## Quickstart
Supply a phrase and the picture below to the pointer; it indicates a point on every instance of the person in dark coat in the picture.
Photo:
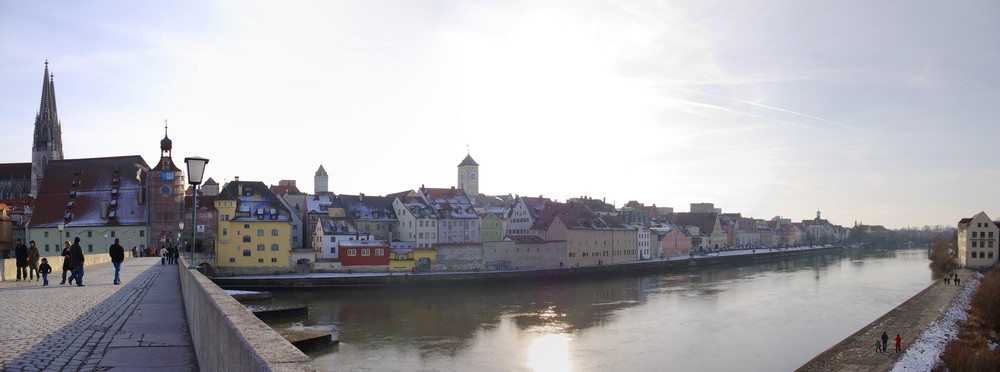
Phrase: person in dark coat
(885, 341)
(65, 266)
(33, 257)
(44, 269)
(21, 256)
(117, 253)
(76, 260)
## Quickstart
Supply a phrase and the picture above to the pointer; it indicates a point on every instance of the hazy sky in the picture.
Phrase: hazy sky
(883, 112)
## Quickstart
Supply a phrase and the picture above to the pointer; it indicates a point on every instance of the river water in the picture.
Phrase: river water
(771, 316)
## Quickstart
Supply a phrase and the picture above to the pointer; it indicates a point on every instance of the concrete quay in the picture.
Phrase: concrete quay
(363, 280)
(138, 325)
(910, 320)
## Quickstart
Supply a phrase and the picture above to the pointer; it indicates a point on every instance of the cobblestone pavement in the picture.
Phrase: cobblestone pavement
(99, 326)
(909, 320)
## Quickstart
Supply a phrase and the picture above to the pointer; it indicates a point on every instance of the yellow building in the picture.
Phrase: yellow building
(254, 229)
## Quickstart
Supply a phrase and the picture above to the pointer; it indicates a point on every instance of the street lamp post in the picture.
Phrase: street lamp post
(180, 233)
(195, 171)
(105, 240)
(59, 239)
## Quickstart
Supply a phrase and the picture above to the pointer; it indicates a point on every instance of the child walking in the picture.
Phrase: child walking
(45, 269)
(878, 345)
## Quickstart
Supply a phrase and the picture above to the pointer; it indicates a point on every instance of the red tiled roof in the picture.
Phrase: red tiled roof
(90, 184)
(15, 171)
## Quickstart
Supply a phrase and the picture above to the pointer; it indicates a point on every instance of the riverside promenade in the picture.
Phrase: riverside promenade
(909, 320)
(138, 325)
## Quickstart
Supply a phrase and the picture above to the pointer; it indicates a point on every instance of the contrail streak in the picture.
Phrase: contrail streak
(780, 110)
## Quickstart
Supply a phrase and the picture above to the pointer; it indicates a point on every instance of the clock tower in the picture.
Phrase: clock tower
(166, 197)
(468, 176)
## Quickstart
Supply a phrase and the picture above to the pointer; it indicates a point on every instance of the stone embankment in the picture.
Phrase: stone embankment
(503, 277)
(909, 320)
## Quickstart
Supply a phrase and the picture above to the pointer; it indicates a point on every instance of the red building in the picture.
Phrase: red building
(364, 253)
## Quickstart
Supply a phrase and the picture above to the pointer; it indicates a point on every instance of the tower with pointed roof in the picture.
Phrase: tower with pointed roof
(468, 176)
(166, 196)
(47, 143)
(321, 182)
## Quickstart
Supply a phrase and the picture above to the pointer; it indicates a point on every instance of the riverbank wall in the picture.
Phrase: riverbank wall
(507, 276)
(227, 336)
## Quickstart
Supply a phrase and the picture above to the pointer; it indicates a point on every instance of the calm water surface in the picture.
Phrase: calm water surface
(762, 317)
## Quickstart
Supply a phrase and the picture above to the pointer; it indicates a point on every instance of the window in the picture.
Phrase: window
(260, 260)
(246, 238)
(225, 232)
(274, 260)
(584, 254)
(246, 226)
(974, 234)
(274, 247)
(572, 254)
(46, 247)
(379, 252)
(246, 253)
(90, 234)
(333, 250)
(142, 233)
(295, 227)
(366, 252)
(260, 247)
(260, 232)
(352, 252)
(274, 232)
(46, 234)
(232, 259)
(332, 239)
(90, 248)
(112, 234)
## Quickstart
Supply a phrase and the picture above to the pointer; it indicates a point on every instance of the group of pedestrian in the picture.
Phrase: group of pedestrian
(881, 343)
(73, 259)
(953, 278)
(169, 255)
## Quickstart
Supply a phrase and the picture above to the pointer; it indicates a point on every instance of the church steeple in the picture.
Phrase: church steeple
(47, 144)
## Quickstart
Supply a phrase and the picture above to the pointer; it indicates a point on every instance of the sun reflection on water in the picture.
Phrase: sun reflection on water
(549, 353)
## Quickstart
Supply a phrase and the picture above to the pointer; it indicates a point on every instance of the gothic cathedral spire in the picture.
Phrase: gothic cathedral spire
(47, 144)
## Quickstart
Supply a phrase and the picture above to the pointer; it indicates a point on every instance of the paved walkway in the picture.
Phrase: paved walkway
(909, 320)
(139, 325)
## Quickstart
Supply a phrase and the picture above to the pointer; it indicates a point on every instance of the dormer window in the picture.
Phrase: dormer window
(166, 164)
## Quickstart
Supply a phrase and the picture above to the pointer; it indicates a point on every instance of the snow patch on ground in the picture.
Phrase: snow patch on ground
(235, 292)
(925, 354)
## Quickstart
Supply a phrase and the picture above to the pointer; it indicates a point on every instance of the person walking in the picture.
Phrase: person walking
(66, 266)
(117, 253)
(878, 345)
(897, 342)
(885, 341)
(44, 269)
(76, 260)
(33, 257)
(21, 258)
(947, 279)
(958, 281)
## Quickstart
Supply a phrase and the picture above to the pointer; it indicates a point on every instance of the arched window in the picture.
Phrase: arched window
(275, 247)
(246, 238)
(246, 253)
(260, 232)
(260, 247)
(274, 232)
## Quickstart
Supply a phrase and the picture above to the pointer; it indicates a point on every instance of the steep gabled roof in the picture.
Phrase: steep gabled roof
(371, 208)
(449, 203)
(254, 201)
(85, 192)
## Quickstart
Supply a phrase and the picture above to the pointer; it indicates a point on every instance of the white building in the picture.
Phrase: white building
(978, 241)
